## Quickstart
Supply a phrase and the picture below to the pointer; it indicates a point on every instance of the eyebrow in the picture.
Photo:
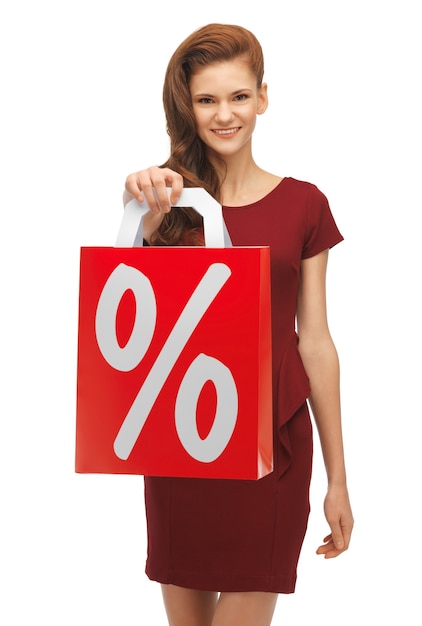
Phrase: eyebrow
(234, 93)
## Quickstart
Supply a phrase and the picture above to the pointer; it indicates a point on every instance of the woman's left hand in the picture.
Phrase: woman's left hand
(339, 516)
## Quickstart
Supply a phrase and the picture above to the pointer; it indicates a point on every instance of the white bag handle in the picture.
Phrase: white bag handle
(215, 231)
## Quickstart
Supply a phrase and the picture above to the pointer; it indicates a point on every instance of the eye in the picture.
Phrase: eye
(205, 100)
(241, 96)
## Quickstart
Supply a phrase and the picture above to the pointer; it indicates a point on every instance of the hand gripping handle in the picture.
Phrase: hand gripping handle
(215, 231)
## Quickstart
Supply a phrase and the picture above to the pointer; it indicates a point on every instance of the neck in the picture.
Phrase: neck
(246, 183)
(243, 182)
(235, 171)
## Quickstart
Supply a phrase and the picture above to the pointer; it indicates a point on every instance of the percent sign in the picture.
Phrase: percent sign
(202, 369)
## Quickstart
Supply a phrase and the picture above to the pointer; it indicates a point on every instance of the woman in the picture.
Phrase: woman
(224, 549)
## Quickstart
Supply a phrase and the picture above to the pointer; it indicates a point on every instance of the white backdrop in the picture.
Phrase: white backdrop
(80, 109)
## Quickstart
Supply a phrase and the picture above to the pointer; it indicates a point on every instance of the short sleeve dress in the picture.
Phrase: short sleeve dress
(239, 535)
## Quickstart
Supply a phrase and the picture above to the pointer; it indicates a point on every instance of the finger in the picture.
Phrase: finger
(141, 186)
(176, 188)
(151, 197)
(337, 536)
(347, 533)
(328, 550)
(326, 546)
(133, 188)
(152, 186)
(163, 179)
(160, 198)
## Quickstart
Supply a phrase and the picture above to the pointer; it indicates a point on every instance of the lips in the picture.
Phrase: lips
(224, 132)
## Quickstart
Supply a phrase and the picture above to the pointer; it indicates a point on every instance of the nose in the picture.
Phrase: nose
(224, 113)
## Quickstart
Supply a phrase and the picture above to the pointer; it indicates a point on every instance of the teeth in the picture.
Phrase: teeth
(230, 131)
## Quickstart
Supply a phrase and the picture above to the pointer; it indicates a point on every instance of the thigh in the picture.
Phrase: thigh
(252, 608)
(188, 607)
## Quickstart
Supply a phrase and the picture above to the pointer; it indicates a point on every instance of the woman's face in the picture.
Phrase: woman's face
(225, 102)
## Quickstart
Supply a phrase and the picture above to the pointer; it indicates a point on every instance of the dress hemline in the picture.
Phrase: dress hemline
(215, 583)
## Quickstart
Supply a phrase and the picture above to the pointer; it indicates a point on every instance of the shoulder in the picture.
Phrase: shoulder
(304, 201)
(320, 230)
(303, 189)
(309, 201)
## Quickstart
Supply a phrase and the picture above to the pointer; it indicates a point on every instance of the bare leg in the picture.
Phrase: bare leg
(253, 608)
(189, 607)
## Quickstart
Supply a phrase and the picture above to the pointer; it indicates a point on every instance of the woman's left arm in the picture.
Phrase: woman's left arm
(321, 363)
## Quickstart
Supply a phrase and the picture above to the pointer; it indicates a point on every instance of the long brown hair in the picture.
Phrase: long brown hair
(188, 153)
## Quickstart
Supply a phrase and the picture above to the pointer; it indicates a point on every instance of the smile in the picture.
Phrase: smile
(226, 131)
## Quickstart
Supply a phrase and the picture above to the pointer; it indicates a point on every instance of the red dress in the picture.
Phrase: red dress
(235, 535)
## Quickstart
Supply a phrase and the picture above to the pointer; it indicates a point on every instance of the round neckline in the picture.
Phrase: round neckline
(251, 204)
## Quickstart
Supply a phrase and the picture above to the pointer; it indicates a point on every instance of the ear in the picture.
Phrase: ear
(262, 99)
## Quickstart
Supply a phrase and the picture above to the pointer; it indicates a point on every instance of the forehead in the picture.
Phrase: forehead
(234, 74)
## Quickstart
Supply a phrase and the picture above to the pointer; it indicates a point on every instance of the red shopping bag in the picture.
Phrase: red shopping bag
(174, 355)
